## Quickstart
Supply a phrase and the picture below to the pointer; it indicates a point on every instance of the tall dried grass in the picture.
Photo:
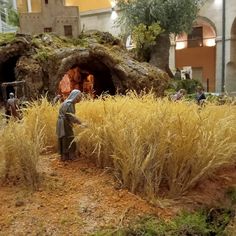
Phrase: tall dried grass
(46, 116)
(20, 149)
(152, 143)
(149, 143)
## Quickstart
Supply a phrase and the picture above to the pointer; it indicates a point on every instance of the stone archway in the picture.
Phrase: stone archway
(103, 81)
(200, 42)
(204, 20)
(103, 77)
(101, 66)
(114, 70)
(230, 82)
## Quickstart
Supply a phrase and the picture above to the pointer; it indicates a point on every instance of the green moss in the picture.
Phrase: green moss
(202, 223)
(42, 56)
(47, 44)
(218, 219)
(6, 38)
(231, 193)
(82, 42)
(185, 224)
(191, 224)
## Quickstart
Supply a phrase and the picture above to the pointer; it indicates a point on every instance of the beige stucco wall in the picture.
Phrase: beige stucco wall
(103, 20)
(88, 5)
(54, 15)
(22, 5)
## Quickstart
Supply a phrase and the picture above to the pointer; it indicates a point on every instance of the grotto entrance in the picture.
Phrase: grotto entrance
(7, 74)
(101, 76)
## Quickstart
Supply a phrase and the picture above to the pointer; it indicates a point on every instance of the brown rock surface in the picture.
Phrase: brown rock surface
(42, 60)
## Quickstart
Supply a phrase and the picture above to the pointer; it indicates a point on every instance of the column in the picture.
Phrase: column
(29, 6)
(14, 4)
(218, 85)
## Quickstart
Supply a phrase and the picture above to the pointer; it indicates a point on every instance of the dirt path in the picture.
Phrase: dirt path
(78, 199)
(74, 199)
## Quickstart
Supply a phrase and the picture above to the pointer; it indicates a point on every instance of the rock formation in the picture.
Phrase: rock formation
(42, 60)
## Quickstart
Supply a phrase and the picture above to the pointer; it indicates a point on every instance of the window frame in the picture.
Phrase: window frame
(195, 38)
(68, 28)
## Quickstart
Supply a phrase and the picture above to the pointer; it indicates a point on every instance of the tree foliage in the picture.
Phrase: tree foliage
(144, 37)
(13, 17)
(174, 16)
(12, 14)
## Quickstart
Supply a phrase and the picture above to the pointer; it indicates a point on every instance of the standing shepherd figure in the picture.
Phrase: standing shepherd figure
(66, 119)
(200, 96)
(12, 107)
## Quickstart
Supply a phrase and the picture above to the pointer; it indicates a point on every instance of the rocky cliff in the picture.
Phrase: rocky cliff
(42, 60)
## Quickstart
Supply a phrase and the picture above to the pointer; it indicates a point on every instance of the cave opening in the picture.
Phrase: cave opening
(103, 82)
(7, 74)
(102, 77)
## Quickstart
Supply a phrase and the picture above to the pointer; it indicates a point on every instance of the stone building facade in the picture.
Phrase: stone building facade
(52, 16)
(94, 14)
(208, 54)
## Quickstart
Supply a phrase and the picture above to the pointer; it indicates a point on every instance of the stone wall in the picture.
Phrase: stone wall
(54, 17)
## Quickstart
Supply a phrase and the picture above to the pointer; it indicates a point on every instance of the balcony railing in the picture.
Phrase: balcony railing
(204, 42)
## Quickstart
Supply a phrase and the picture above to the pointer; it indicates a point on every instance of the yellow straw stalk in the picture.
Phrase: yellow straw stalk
(149, 143)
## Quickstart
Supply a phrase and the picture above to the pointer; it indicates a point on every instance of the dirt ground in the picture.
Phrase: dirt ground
(76, 198)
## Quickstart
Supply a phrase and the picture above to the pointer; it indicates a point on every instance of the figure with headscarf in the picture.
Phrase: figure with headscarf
(64, 129)
(12, 107)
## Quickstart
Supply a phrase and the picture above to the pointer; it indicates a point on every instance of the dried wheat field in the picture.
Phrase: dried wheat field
(148, 142)
(152, 146)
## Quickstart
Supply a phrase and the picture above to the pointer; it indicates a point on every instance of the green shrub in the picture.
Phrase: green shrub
(189, 85)
(202, 223)
(218, 219)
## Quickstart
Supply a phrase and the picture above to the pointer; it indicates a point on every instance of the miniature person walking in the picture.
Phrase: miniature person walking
(64, 129)
(200, 96)
(12, 107)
